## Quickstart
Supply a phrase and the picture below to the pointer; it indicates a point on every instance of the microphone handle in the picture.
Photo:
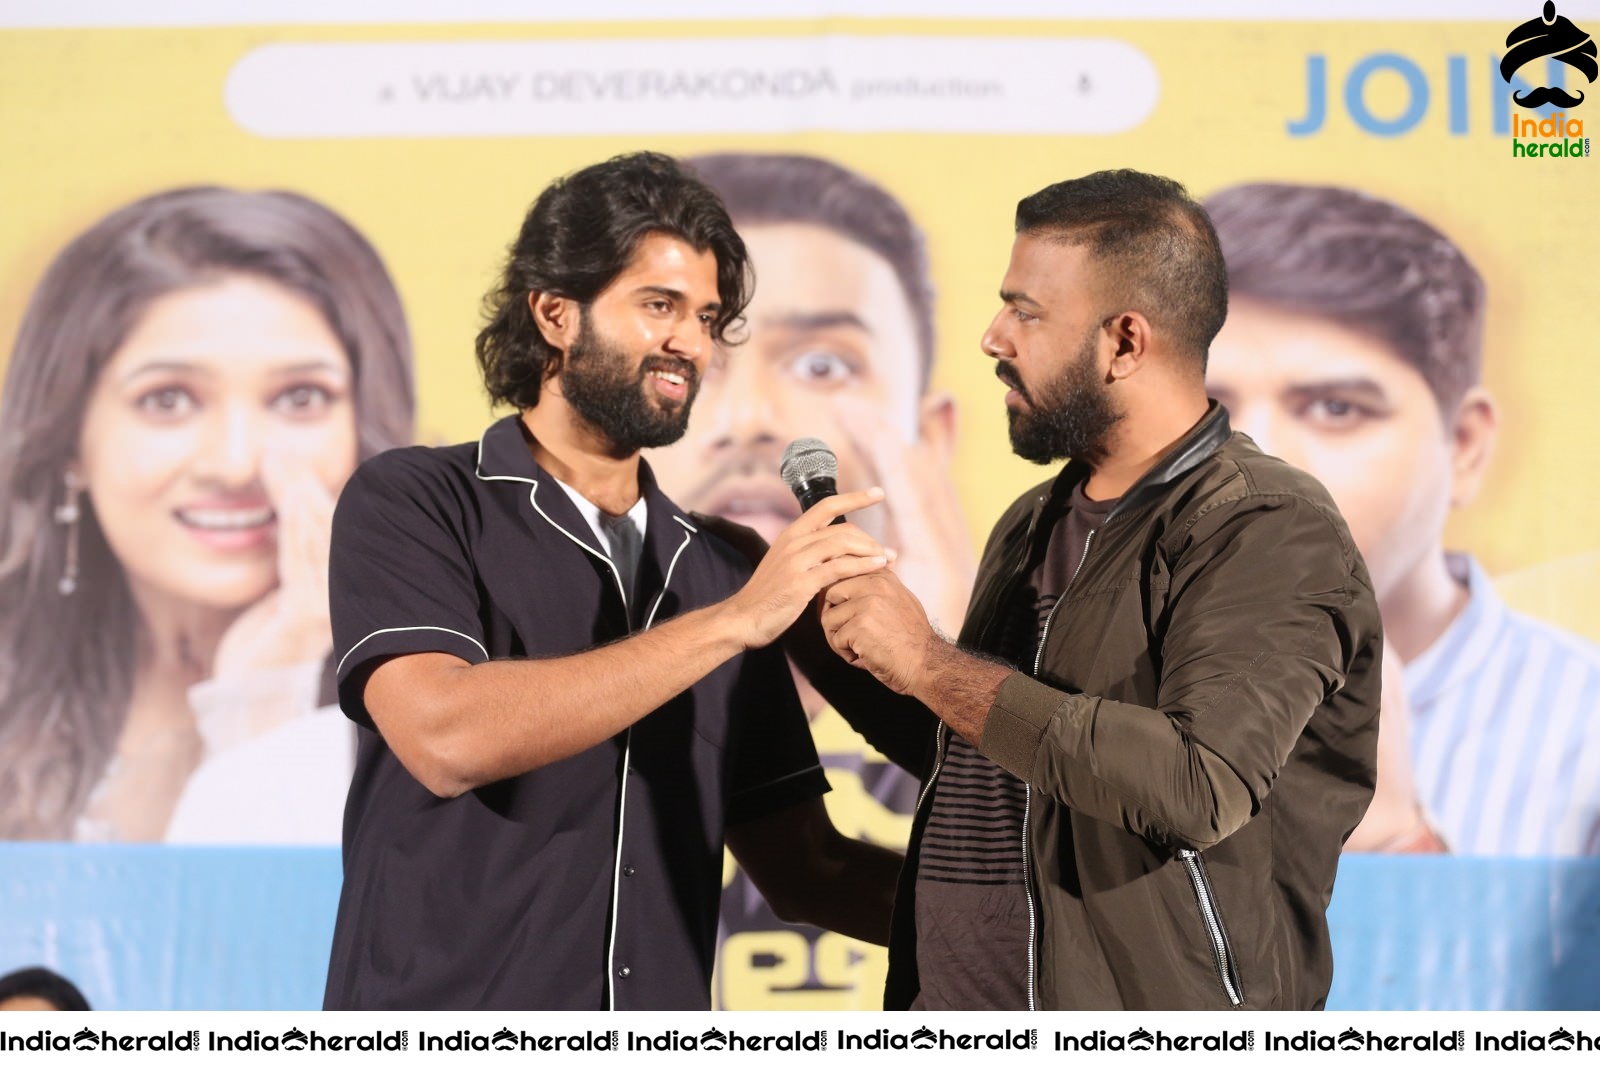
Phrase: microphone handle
(814, 492)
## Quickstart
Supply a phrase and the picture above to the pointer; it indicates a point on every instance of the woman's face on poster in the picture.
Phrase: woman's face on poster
(219, 397)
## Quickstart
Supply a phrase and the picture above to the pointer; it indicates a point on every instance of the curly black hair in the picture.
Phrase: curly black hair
(576, 239)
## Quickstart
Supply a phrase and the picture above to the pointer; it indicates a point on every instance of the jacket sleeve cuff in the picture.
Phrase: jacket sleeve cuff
(1021, 712)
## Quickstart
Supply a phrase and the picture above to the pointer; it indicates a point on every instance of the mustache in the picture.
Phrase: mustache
(1008, 374)
(1547, 95)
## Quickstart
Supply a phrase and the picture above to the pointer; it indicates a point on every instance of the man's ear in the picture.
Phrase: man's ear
(559, 319)
(936, 426)
(1473, 429)
(1130, 343)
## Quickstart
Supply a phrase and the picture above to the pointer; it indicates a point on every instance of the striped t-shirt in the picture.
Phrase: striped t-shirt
(1505, 730)
(972, 917)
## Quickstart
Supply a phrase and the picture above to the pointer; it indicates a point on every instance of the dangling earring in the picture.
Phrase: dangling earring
(67, 514)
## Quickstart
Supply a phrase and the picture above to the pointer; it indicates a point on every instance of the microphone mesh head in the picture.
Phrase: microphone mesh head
(807, 459)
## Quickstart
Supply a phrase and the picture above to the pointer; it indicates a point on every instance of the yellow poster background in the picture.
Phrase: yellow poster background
(91, 119)
(95, 118)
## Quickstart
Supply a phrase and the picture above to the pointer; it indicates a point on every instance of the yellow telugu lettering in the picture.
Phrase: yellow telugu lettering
(767, 970)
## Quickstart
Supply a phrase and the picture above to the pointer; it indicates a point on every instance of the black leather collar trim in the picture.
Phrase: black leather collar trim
(1208, 435)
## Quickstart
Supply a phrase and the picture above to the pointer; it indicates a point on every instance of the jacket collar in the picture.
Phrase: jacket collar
(1207, 435)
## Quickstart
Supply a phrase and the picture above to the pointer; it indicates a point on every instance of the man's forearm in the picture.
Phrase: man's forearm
(962, 689)
(859, 899)
(809, 872)
(457, 726)
(1122, 763)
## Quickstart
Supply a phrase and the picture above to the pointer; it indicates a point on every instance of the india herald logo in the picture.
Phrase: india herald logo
(1555, 36)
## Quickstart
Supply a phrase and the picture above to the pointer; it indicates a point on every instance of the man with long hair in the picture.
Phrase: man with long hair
(567, 686)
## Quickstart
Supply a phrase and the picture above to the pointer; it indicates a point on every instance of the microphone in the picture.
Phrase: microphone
(811, 471)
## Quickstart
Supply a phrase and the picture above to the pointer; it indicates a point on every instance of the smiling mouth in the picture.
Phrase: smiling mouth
(227, 518)
(671, 377)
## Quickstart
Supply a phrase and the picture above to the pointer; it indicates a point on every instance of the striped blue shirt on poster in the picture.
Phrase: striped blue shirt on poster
(1505, 730)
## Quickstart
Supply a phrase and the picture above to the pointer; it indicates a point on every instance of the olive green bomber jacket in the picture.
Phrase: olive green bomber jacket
(1198, 733)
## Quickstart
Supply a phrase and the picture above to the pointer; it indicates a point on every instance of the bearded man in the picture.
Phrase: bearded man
(1159, 723)
(566, 687)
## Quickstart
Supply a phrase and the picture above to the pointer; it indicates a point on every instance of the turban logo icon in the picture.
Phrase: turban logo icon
(1554, 36)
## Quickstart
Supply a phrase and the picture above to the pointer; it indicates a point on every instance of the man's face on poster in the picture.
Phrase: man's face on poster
(1346, 408)
(831, 353)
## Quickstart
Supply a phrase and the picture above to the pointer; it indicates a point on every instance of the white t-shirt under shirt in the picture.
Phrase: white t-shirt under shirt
(622, 536)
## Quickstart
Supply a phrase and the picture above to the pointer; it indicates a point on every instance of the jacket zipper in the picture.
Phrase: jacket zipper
(1027, 805)
(1220, 953)
(1038, 657)
(938, 761)
(1027, 888)
(938, 765)
(933, 775)
(1218, 937)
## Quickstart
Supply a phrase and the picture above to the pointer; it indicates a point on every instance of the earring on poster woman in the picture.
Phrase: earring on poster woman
(67, 514)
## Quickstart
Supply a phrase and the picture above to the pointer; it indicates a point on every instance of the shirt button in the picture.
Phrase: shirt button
(623, 972)
(627, 872)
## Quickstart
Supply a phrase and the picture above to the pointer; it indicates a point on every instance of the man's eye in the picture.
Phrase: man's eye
(1333, 412)
(822, 368)
(1022, 316)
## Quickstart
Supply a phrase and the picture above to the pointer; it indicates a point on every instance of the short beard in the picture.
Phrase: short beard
(1069, 418)
(602, 386)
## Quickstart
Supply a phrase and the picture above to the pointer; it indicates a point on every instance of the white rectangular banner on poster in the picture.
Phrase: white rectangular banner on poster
(706, 85)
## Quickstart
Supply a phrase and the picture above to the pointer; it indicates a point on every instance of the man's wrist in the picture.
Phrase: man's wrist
(939, 657)
(958, 687)
(724, 628)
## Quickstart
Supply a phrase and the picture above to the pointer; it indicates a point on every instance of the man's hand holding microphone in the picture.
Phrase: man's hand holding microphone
(870, 618)
(872, 621)
(816, 551)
